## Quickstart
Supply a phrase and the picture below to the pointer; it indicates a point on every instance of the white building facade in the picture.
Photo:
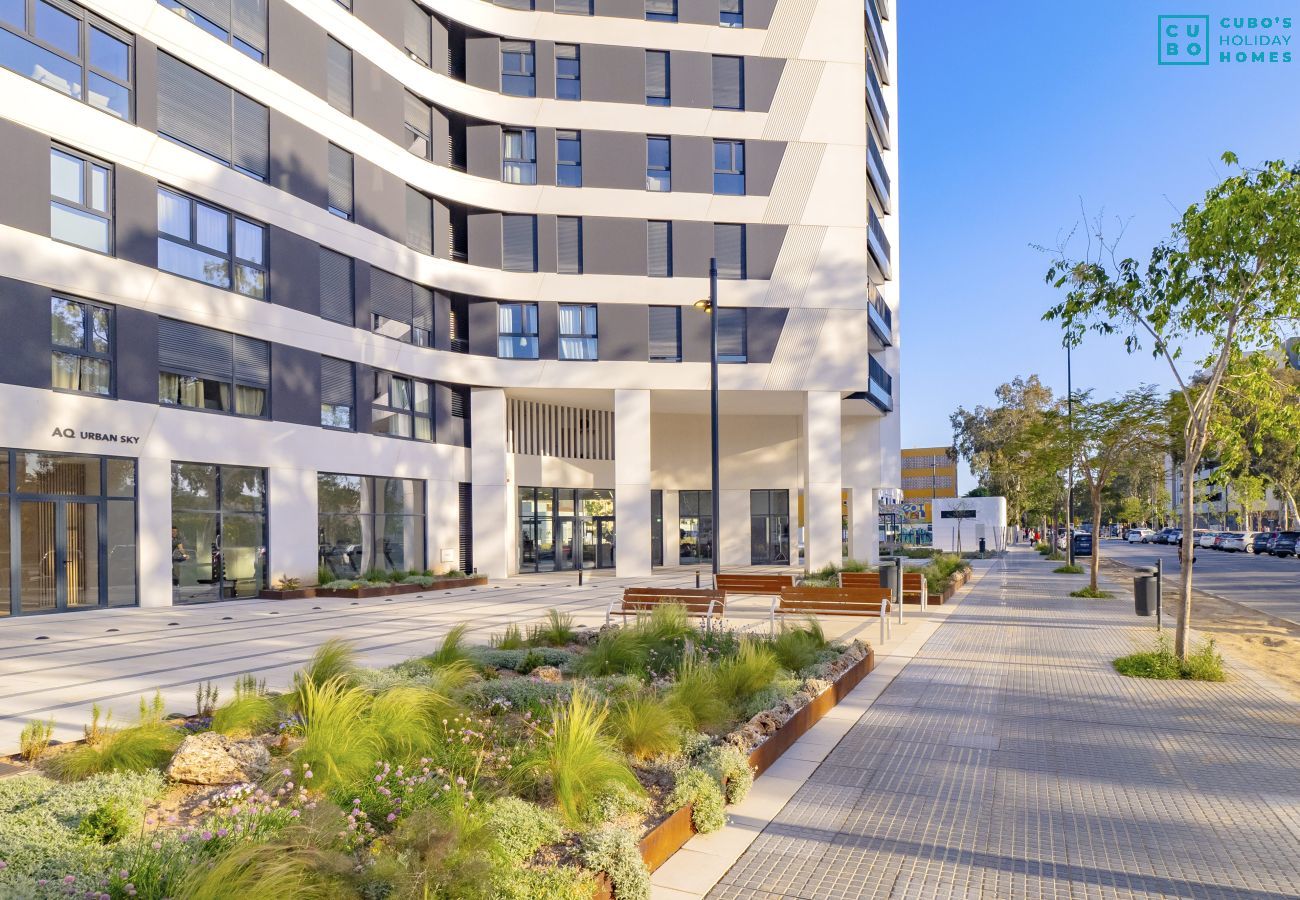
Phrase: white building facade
(316, 287)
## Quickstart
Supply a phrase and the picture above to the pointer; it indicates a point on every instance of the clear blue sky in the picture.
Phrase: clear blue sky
(1011, 113)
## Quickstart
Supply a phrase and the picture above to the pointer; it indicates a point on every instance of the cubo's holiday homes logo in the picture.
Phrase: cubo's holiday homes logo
(1187, 40)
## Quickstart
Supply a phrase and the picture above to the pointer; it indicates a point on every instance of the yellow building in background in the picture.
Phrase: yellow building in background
(928, 473)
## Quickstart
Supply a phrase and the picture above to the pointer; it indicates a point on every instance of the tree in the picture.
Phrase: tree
(1225, 278)
(1132, 510)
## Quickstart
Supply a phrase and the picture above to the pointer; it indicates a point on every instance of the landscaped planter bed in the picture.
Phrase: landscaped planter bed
(305, 593)
(365, 590)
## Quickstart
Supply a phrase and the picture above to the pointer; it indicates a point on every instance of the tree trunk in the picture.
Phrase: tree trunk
(1187, 554)
(1096, 537)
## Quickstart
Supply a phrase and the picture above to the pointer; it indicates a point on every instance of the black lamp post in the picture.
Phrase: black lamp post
(1069, 487)
(711, 307)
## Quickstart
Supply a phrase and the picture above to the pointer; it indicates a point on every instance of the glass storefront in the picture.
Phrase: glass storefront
(565, 528)
(218, 535)
(67, 532)
(695, 526)
(370, 523)
(769, 528)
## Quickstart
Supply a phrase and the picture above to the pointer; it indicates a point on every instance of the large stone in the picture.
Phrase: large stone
(212, 758)
(548, 673)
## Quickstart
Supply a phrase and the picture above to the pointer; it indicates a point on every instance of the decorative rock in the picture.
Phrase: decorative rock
(212, 758)
(548, 674)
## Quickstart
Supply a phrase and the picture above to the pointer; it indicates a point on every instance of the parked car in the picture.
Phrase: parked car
(1236, 541)
(1082, 543)
(1285, 545)
(1175, 537)
(1261, 542)
(1139, 535)
(1207, 539)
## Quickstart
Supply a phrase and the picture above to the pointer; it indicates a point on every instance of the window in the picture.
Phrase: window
(368, 523)
(658, 163)
(659, 249)
(340, 182)
(728, 82)
(568, 71)
(519, 243)
(729, 250)
(458, 325)
(239, 23)
(733, 345)
(337, 290)
(210, 244)
(731, 13)
(568, 158)
(661, 10)
(402, 407)
(419, 126)
(82, 337)
(517, 70)
(578, 331)
(205, 115)
(728, 167)
(568, 245)
(519, 156)
(401, 309)
(338, 76)
(417, 32)
(419, 220)
(517, 330)
(337, 393)
(202, 368)
(666, 334)
(658, 78)
(66, 48)
(573, 7)
(81, 201)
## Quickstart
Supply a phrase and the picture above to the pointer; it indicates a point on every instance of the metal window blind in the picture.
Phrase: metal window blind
(519, 243)
(731, 332)
(460, 402)
(422, 307)
(659, 249)
(515, 4)
(390, 295)
(568, 234)
(340, 180)
(418, 114)
(419, 220)
(252, 361)
(727, 77)
(729, 249)
(337, 384)
(215, 11)
(661, 7)
(665, 332)
(252, 137)
(573, 7)
(249, 22)
(730, 6)
(338, 76)
(465, 510)
(417, 32)
(193, 108)
(189, 349)
(336, 288)
(656, 73)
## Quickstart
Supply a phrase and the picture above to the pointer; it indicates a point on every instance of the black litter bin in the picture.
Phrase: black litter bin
(1144, 594)
(981, 546)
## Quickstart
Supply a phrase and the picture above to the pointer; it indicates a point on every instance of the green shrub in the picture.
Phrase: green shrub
(523, 661)
(521, 828)
(1068, 570)
(335, 659)
(556, 631)
(776, 693)
(796, 648)
(548, 883)
(453, 648)
(136, 748)
(376, 576)
(281, 869)
(694, 694)
(340, 744)
(421, 580)
(1202, 664)
(35, 739)
(343, 584)
(403, 720)
(324, 576)
(618, 651)
(703, 792)
(940, 569)
(612, 804)
(741, 676)
(1043, 547)
(528, 694)
(444, 851)
(646, 726)
(665, 623)
(107, 823)
(1088, 593)
(244, 715)
(614, 851)
(727, 764)
(511, 639)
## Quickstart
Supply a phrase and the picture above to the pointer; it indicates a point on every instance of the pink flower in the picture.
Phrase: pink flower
(157, 845)
(221, 832)
(207, 835)
(392, 817)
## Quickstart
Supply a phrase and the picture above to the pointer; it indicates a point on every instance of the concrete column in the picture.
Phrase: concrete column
(492, 541)
(732, 539)
(672, 534)
(292, 524)
(444, 525)
(154, 512)
(861, 468)
(632, 483)
(821, 469)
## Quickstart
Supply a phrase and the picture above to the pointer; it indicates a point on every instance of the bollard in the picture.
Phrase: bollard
(697, 579)
(579, 578)
(1160, 591)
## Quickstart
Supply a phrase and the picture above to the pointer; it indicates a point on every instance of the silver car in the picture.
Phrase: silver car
(1238, 541)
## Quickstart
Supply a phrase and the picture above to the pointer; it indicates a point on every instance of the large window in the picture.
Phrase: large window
(81, 201)
(337, 393)
(218, 536)
(728, 82)
(658, 163)
(769, 528)
(565, 528)
(419, 220)
(729, 250)
(202, 368)
(517, 330)
(659, 249)
(370, 523)
(728, 167)
(568, 158)
(205, 115)
(578, 337)
(64, 47)
(239, 23)
(661, 10)
(665, 334)
(568, 71)
(568, 245)
(418, 116)
(210, 244)
(402, 407)
(519, 156)
(401, 309)
(733, 340)
(694, 526)
(519, 243)
(340, 190)
(81, 335)
(338, 76)
(731, 13)
(657, 78)
(337, 288)
(518, 73)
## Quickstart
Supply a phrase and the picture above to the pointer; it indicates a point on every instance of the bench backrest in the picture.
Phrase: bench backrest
(913, 581)
(694, 599)
(754, 584)
(859, 579)
(859, 601)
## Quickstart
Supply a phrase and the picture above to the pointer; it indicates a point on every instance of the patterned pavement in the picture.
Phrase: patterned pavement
(1009, 760)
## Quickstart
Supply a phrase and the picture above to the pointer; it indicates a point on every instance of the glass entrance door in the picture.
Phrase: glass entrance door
(605, 545)
(769, 528)
(58, 549)
(565, 557)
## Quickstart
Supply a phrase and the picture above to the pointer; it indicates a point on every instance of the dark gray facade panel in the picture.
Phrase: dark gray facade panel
(25, 345)
(624, 332)
(758, 13)
(380, 200)
(697, 12)
(483, 327)
(136, 355)
(613, 246)
(441, 316)
(439, 46)
(620, 9)
(691, 79)
(295, 385)
(692, 248)
(299, 159)
(695, 335)
(692, 163)
(762, 75)
(295, 271)
(146, 85)
(441, 230)
(547, 252)
(483, 150)
(485, 239)
(446, 429)
(25, 178)
(365, 382)
(546, 154)
(384, 16)
(298, 48)
(763, 326)
(136, 218)
(548, 330)
(439, 135)
(762, 246)
(361, 294)
(544, 68)
(613, 159)
(378, 101)
(614, 74)
(483, 61)
(762, 160)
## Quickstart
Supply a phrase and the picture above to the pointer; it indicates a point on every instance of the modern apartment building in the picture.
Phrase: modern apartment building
(292, 285)
(929, 473)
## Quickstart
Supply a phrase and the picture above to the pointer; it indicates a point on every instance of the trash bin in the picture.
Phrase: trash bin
(981, 547)
(891, 574)
(1144, 594)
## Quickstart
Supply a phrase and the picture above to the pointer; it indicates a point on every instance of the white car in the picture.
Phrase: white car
(1208, 539)
(1238, 542)
(1139, 535)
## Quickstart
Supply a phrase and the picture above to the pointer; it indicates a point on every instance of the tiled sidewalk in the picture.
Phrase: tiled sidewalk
(1008, 760)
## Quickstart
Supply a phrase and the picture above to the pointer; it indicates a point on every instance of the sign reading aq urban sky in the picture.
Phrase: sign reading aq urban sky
(1196, 40)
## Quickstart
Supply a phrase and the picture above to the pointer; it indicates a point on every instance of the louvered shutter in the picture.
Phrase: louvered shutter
(727, 77)
(519, 243)
(336, 290)
(661, 7)
(659, 249)
(422, 308)
(390, 296)
(729, 249)
(656, 73)
(188, 349)
(419, 220)
(252, 137)
(465, 510)
(338, 76)
(460, 402)
(568, 232)
(215, 11)
(337, 385)
(515, 4)
(249, 22)
(417, 32)
(340, 180)
(731, 333)
(418, 114)
(573, 7)
(193, 108)
(665, 332)
(252, 361)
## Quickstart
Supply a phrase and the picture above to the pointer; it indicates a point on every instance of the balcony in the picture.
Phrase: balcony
(876, 37)
(878, 245)
(876, 104)
(877, 173)
(883, 7)
(881, 320)
(880, 386)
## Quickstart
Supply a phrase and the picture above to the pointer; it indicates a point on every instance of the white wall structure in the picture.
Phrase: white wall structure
(960, 522)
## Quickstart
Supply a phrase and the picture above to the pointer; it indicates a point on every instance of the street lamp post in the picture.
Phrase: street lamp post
(711, 306)
(1069, 487)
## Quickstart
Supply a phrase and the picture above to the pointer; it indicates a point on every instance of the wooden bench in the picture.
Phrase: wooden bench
(915, 589)
(842, 601)
(753, 584)
(708, 605)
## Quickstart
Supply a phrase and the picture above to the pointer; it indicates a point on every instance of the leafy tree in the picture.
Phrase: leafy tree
(1132, 509)
(1226, 279)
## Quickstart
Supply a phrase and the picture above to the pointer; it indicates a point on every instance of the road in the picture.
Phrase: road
(1265, 583)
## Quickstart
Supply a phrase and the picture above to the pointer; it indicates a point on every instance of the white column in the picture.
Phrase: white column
(732, 539)
(821, 466)
(632, 483)
(861, 468)
(292, 523)
(492, 538)
(154, 512)
(672, 532)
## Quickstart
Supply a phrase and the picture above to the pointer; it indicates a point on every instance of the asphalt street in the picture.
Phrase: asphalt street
(1266, 583)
